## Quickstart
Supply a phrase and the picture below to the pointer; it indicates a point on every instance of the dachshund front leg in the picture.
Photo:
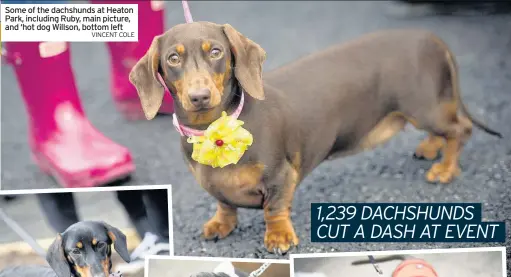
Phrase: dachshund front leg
(222, 223)
(280, 235)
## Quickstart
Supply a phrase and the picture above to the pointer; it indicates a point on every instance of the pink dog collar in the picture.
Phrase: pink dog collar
(186, 131)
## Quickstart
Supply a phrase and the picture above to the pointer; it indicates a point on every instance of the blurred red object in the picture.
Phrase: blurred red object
(414, 268)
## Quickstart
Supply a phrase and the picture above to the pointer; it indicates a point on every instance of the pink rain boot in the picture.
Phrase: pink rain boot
(63, 142)
(124, 55)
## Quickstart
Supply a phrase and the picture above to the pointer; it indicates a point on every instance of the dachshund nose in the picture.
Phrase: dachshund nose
(200, 98)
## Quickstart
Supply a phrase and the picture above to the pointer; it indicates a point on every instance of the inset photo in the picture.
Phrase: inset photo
(160, 266)
(467, 262)
(100, 232)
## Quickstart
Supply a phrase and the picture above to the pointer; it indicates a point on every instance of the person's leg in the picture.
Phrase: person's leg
(59, 209)
(124, 55)
(63, 142)
(157, 205)
(157, 241)
(136, 210)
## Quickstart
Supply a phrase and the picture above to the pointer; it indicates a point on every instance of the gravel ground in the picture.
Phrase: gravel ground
(288, 30)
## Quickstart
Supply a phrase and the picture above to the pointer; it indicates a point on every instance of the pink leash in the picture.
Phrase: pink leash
(183, 130)
(186, 9)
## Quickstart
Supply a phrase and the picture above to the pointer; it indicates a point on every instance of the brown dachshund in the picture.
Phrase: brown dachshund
(337, 102)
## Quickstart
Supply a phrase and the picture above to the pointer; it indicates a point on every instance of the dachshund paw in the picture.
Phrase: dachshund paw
(429, 154)
(442, 173)
(428, 150)
(280, 240)
(215, 229)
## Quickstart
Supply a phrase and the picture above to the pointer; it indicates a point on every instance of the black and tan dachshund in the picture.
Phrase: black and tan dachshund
(83, 250)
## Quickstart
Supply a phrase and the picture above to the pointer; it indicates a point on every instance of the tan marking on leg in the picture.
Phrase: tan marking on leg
(430, 147)
(460, 131)
(388, 127)
(447, 169)
(450, 110)
(296, 163)
(222, 223)
(280, 235)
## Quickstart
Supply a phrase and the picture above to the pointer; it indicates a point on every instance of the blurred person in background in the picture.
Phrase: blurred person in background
(63, 142)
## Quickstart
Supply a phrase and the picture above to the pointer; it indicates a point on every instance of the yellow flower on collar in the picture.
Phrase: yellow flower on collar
(224, 142)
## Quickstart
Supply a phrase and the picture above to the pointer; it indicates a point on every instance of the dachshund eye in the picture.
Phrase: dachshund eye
(101, 245)
(174, 59)
(76, 251)
(215, 53)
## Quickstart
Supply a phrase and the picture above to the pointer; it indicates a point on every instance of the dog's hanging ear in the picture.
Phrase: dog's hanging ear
(119, 241)
(57, 259)
(249, 58)
(144, 76)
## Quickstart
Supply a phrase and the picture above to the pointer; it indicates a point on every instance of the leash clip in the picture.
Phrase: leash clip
(375, 265)
(260, 270)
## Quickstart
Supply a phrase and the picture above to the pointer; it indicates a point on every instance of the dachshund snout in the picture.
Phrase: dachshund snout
(200, 98)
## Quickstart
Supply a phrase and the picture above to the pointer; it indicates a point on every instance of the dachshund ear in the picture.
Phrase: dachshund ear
(249, 58)
(144, 76)
(57, 259)
(119, 241)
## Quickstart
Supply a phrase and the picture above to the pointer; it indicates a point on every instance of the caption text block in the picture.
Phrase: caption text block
(69, 22)
(403, 222)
